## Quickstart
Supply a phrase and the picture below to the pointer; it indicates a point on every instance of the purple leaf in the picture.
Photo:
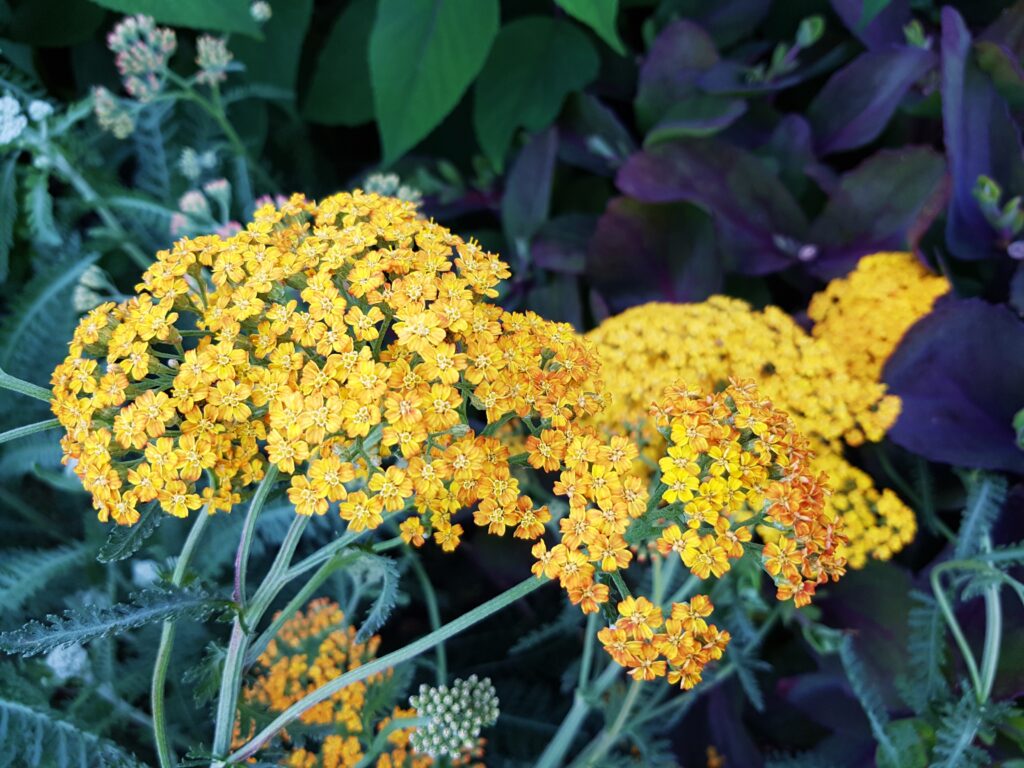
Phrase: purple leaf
(678, 57)
(960, 374)
(527, 198)
(759, 221)
(592, 136)
(884, 30)
(859, 100)
(561, 244)
(981, 139)
(730, 77)
(876, 206)
(643, 253)
(696, 116)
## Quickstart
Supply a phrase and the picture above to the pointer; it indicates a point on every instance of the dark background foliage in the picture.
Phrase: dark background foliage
(617, 153)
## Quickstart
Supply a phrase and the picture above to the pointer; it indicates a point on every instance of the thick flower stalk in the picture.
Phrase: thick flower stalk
(864, 315)
(348, 344)
(647, 348)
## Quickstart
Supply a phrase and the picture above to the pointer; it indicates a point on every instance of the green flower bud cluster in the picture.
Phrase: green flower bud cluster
(456, 715)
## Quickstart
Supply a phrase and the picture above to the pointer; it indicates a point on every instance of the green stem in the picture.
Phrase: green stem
(259, 499)
(325, 692)
(951, 621)
(28, 429)
(688, 588)
(231, 677)
(257, 647)
(23, 387)
(163, 653)
(609, 736)
(993, 634)
(93, 199)
(430, 598)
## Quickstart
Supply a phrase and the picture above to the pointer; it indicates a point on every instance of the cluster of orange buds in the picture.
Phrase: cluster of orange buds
(651, 646)
(347, 343)
(733, 463)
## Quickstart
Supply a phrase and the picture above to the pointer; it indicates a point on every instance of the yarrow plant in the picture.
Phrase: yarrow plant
(646, 348)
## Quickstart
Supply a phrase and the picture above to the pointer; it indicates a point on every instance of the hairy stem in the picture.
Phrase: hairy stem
(23, 387)
(29, 429)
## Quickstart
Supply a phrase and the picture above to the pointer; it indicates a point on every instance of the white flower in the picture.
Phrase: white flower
(144, 572)
(260, 11)
(39, 110)
(72, 661)
(12, 122)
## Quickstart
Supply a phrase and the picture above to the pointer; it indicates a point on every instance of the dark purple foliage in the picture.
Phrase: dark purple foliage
(960, 375)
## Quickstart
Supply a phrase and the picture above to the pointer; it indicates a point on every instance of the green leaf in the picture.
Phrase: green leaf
(340, 91)
(39, 205)
(25, 572)
(870, 10)
(423, 56)
(926, 652)
(600, 16)
(986, 493)
(33, 337)
(218, 16)
(83, 625)
(8, 212)
(954, 738)
(125, 540)
(536, 62)
(41, 737)
(367, 569)
(870, 700)
(275, 59)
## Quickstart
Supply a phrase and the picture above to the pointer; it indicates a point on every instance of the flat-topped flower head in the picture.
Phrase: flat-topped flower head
(648, 348)
(350, 344)
(864, 315)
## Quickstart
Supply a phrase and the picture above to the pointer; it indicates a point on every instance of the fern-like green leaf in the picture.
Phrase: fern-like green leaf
(869, 697)
(370, 568)
(32, 735)
(567, 623)
(954, 739)
(124, 541)
(8, 212)
(926, 652)
(34, 336)
(80, 626)
(39, 206)
(24, 573)
(152, 131)
(986, 493)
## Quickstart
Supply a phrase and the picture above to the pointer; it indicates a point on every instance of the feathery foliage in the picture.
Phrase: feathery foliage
(24, 573)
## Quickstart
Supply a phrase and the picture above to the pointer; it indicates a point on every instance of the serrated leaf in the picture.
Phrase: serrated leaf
(370, 568)
(83, 625)
(954, 738)
(125, 540)
(869, 697)
(423, 56)
(24, 572)
(39, 206)
(40, 737)
(600, 16)
(986, 493)
(153, 129)
(219, 16)
(926, 652)
(536, 62)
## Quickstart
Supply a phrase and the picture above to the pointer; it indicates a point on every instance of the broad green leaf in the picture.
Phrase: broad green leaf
(600, 16)
(423, 56)
(275, 59)
(340, 92)
(536, 62)
(215, 15)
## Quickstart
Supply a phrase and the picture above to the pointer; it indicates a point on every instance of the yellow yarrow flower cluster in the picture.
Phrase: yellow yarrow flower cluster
(864, 316)
(312, 648)
(344, 343)
(646, 348)
(733, 463)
